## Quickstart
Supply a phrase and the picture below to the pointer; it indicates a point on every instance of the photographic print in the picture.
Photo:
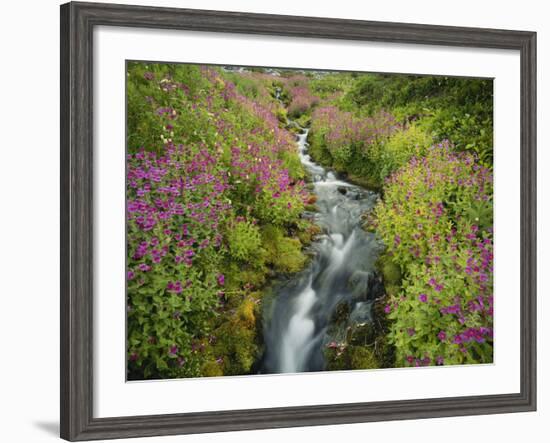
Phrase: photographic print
(285, 220)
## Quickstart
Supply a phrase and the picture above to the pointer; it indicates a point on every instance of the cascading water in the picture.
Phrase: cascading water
(296, 322)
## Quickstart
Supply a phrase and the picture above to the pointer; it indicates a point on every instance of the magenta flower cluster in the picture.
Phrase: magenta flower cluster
(343, 129)
(212, 156)
(436, 220)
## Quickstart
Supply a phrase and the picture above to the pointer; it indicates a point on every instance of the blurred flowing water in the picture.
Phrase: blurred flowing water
(341, 271)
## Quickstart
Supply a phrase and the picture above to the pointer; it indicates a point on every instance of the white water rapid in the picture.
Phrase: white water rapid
(296, 322)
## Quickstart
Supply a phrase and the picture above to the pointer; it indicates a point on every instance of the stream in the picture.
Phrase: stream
(297, 321)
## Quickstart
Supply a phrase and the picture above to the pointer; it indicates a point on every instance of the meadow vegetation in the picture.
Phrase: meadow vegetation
(216, 193)
(214, 196)
(426, 144)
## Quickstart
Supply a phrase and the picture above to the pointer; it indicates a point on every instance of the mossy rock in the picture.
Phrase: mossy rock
(365, 181)
(364, 334)
(304, 120)
(290, 258)
(391, 273)
(246, 313)
(336, 361)
(212, 368)
(351, 357)
(385, 353)
(340, 314)
(362, 357)
(237, 345)
(308, 232)
(284, 253)
(281, 115)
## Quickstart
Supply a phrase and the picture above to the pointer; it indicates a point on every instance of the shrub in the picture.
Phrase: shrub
(298, 95)
(345, 141)
(244, 240)
(398, 149)
(457, 109)
(273, 206)
(173, 276)
(444, 311)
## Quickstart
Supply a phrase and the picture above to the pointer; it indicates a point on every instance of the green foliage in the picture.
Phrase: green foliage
(425, 108)
(244, 240)
(331, 85)
(279, 209)
(442, 312)
(209, 164)
(292, 163)
(456, 109)
(159, 324)
(242, 274)
(246, 85)
(389, 155)
(216, 196)
(145, 127)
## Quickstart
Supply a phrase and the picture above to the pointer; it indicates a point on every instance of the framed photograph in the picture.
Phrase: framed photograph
(272, 221)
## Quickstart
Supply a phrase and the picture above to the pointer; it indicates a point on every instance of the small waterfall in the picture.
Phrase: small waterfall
(295, 328)
(299, 333)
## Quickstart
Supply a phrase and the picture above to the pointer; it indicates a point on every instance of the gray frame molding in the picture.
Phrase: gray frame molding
(77, 23)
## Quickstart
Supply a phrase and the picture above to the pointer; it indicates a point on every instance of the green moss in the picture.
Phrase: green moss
(336, 361)
(237, 344)
(246, 313)
(366, 181)
(290, 258)
(239, 274)
(351, 357)
(391, 273)
(211, 368)
(284, 253)
(304, 120)
(237, 340)
(307, 234)
(362, 357)
(365, 334)
(281, 115)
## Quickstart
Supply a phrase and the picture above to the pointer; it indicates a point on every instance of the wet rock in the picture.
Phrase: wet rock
(361, 314)
(342, 190)
(358, 283)
(375, 288)
(340, 314)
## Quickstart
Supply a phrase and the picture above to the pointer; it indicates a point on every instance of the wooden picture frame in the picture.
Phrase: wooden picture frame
(77, 23)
